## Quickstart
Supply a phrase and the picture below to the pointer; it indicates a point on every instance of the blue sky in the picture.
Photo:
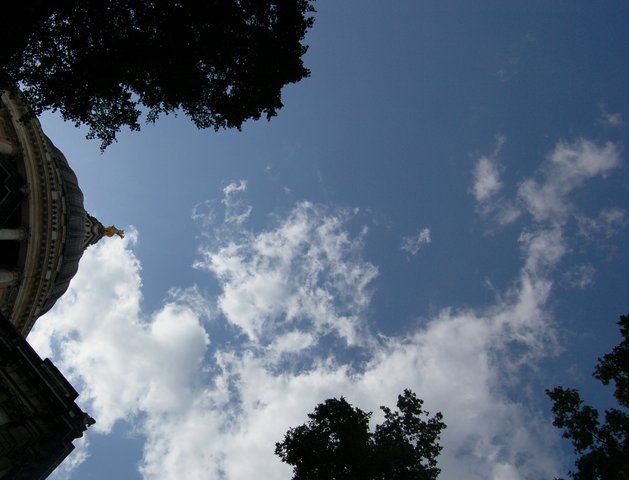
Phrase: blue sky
(441, 206)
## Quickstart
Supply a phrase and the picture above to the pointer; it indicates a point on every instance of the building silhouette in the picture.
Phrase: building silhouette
(39, 418)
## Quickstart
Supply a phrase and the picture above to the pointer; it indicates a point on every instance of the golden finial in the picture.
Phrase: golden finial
(111, 231)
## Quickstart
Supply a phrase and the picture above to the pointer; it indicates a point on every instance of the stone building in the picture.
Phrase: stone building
(39, 418)
(44, 230)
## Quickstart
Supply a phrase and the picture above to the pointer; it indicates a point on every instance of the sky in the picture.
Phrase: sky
(440, 206)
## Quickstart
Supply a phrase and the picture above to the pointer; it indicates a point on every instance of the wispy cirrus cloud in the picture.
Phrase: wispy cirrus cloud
(487, 185)
(612, 119)
(487, 171)
(579, 276)
(229, 212)
(546, 196)
(236, 210)
(608, 223)
(414, 243)
(566, 168)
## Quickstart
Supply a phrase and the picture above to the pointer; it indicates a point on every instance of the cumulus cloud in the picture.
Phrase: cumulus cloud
(305, 272)
(451, 362)
(414, 243)
(200, 408)
(125, 364)
(72, 461)
(456, 363)
(295, 300)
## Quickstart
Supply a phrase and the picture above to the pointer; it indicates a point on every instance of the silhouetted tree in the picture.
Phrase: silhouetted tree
(602, 449)
(336, 443)
(99, 62)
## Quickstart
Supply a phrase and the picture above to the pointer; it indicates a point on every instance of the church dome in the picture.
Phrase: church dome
(74, 234)
(47, 208)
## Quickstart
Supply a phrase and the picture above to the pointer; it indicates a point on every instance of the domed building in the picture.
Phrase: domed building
(44, 230)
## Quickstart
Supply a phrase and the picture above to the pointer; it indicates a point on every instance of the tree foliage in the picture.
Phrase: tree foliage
(602, 449)
(100, 62)
(336, 443)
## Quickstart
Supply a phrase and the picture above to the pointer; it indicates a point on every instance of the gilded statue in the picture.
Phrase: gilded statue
(111, 231)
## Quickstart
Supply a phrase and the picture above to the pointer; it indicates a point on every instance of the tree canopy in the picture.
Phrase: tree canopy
(336, 443)
(602, 449)
(101, 62)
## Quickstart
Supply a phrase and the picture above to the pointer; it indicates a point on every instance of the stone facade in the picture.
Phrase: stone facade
(39, 418)
(44, 231)
(44, 228)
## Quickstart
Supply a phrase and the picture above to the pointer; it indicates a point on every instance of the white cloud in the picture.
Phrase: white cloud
(204, 213)
(579, 276)
(232, 188)
(506, 213)
(125, 364)
(567, 167)
(236, 211)
(451, 362)
(486, 179)
(544, 248)
(487, 174)
(73, 460)
(546, 197)
(608, 222)
(413, 244)
(487, 184)
(306, 271)
(289, 292)
(199, 416)
(456, 363)
(612, 119)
